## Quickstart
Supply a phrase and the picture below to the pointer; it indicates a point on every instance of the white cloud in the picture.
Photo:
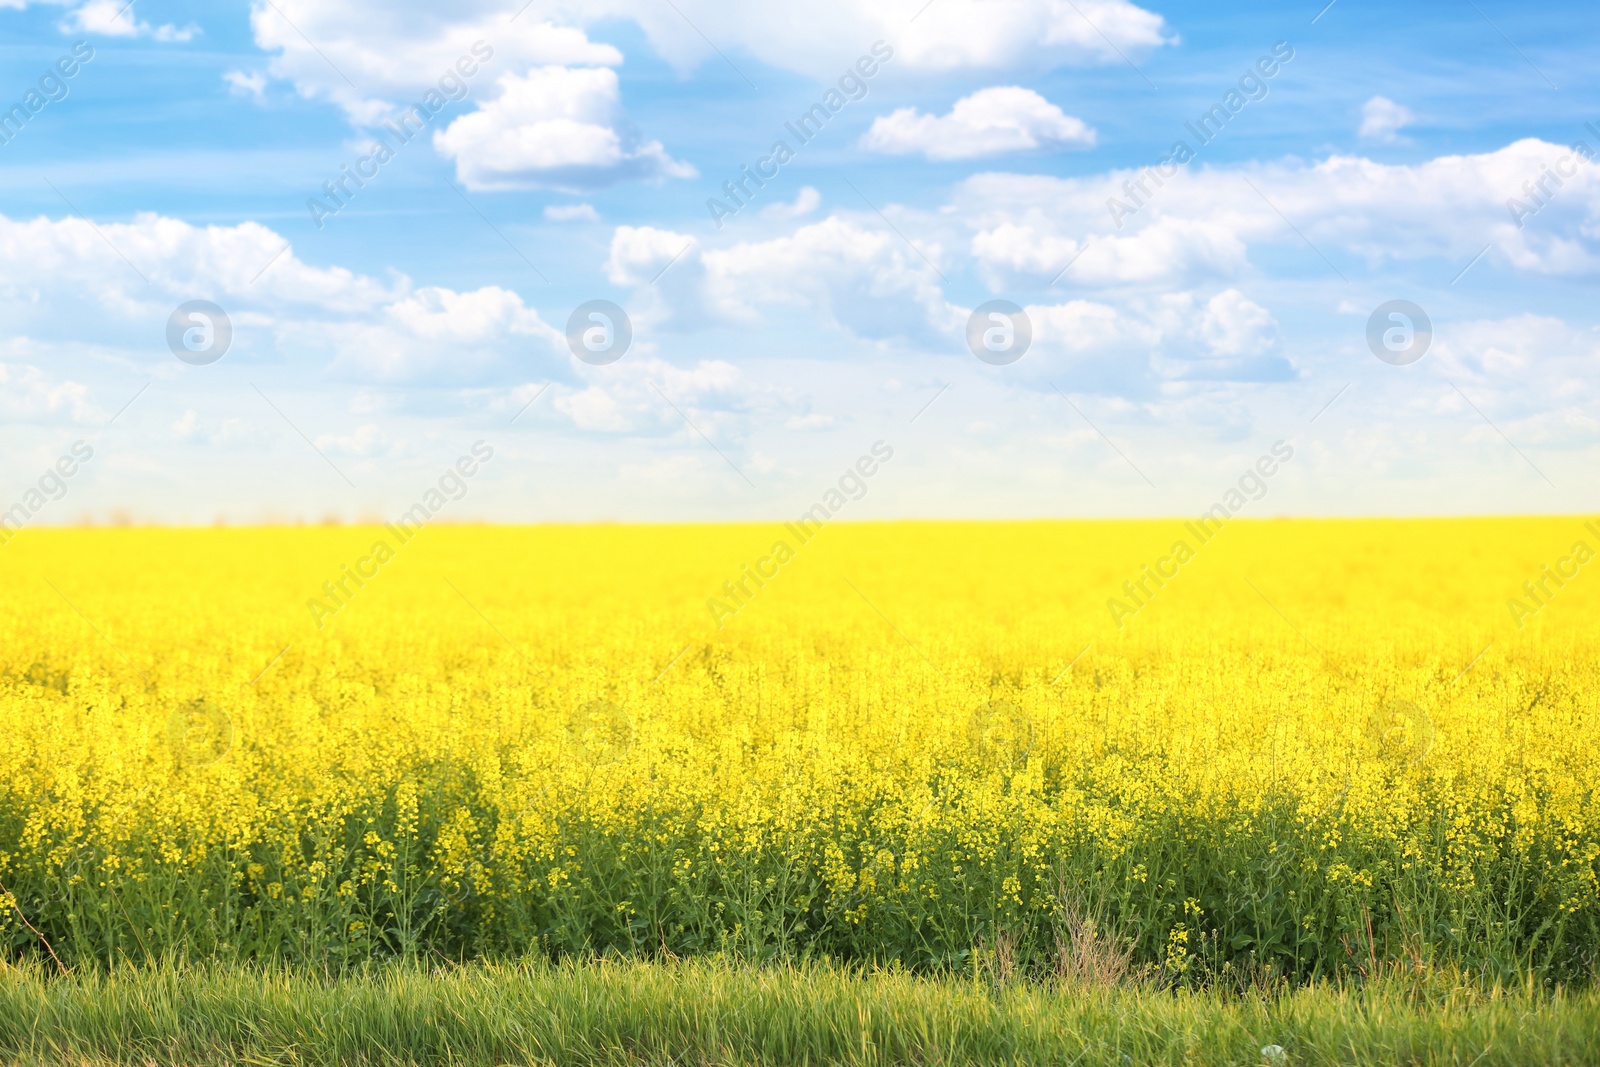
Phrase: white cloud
(1004, 118)
(188, 428)
(638, 253)
(252, 84)
(805, 202)
(1525, 353)
(1131, 350)
(396, 52)
(433, 330)
(1177, 275)
(664, 267)
(369, 439)
(571, 213)
(1167, 249)
(1083, 326)
(1233, 325)
(1382, 119)
(594, 409)
(44, 260)
(947, 35)
(442, 315)
(400, 46)
(863, 280)
(714, 394)
(866, 281)
(109, 18)
(974, 33)
(555, 127)
(1205, 220)
(26, 392)
(557, 121)
(548, 111)
(114, 18)
(60, 284)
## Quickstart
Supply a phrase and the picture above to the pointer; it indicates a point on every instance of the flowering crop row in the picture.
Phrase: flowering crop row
(1324, 747)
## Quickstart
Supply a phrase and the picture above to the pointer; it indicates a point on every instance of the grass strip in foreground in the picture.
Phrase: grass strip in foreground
(713, 1013)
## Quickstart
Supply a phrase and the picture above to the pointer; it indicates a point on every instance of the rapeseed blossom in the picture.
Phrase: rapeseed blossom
(1325, 744)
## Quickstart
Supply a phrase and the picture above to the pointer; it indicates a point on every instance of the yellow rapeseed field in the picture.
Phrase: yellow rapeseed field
(1314, 748)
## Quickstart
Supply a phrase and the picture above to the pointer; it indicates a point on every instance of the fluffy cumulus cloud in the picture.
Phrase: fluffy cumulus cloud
(862, 280)
(1005, 118)
(866, 280)
(947, 35)
(667, 273)
(853, 276)
(539, 105)
(1177, 277)
(1527, 378)
(571, 213)
(1228, 337)
(639, 254)
(29, 393)
(553, 127)
(368, 439)
(1536, 204)
(390, 49)
(1534, 370)
(856, 277)
(712, 395)
(1233, 325)
(1168, 250)
(807, 200)
(859, 277)
(250, 84)
(1382, 119)
(1139, 347)
(109, 18)
(66, 286)
(373, 60)
(193, 428)
(115, 18)
(434, 332)
(545, 109)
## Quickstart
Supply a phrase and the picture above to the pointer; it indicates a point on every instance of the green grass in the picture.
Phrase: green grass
(706, 1012)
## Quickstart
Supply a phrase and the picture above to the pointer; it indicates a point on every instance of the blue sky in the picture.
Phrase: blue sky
(1168, 354)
